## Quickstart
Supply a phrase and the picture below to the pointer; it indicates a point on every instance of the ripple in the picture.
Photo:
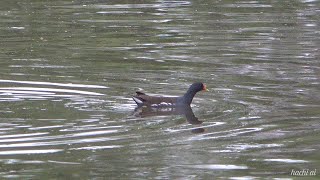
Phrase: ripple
(226, 134)
(12, 94)
(19, 93)
(41, 137)
(18, 28)
(163, 4)
(241, 147)
(189, 127)
(97, 147)
(289, 161)
(62, 142)
(53, 84)
(93, 133)
(63, 162)
(216, 166)
(19, 161)
(119, 12)
(259, 59)
(22, 135)
(26, 152)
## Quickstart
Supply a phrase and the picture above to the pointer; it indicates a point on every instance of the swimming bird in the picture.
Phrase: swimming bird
(143, 99)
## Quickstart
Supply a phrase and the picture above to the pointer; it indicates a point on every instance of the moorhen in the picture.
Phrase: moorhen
(161, 101)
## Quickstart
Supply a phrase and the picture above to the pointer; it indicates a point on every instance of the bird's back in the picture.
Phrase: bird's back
(143, 99)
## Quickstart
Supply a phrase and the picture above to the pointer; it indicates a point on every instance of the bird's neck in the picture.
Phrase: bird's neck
(189, 96)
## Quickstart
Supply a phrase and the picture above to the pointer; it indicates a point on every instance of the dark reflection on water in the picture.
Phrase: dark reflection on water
(68, 69)
(179, 110)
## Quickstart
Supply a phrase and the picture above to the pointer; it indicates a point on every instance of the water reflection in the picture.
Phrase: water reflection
(178, 110)
(67, 68)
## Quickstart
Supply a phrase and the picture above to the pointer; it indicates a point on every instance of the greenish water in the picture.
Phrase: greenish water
(69, 68)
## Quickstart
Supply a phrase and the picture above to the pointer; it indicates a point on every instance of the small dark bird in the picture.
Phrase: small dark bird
(161, 101)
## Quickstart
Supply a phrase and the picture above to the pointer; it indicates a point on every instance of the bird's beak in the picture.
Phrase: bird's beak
(205, 88)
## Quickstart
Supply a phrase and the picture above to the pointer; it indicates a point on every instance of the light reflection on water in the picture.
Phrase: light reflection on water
(69, 70)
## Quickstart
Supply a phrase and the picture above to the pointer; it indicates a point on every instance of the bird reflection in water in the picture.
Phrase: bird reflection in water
(147, 111)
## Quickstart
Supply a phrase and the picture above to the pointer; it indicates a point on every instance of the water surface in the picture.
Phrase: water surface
(69, 69)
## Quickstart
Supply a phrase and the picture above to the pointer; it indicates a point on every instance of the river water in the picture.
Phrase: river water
(69, 68)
